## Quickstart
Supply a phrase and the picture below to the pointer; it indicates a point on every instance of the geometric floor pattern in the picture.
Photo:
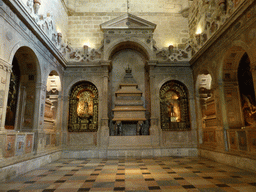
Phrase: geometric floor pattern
(176, 174)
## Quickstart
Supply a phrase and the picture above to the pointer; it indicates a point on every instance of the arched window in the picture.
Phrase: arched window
(174, 107)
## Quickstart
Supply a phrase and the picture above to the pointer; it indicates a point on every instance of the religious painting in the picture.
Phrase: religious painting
(10, 145)
(29, 143)
(174, 107)
(12, 96)
(20, 144)
(83, 108)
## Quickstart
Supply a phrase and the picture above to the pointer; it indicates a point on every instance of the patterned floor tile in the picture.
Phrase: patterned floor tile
(134, 174)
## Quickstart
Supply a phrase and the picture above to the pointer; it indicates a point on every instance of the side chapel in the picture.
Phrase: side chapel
(96, 79)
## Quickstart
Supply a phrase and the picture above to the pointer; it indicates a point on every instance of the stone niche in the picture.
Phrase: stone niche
(129, 113)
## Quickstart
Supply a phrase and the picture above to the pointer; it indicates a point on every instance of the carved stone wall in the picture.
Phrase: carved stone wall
(221, 58)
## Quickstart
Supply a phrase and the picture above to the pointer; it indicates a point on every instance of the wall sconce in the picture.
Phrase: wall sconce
(198, 38)
(85, 49)
(170, 48)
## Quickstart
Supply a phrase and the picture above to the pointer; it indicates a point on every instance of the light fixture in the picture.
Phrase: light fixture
(85, 49)
(170, 47)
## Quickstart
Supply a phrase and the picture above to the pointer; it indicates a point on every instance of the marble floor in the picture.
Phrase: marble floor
(134, 174)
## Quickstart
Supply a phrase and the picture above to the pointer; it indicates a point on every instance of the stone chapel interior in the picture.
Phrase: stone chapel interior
(126, 78)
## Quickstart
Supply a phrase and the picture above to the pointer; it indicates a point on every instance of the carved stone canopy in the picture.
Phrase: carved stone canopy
(128, 21)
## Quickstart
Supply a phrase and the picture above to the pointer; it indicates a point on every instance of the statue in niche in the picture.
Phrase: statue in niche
(174, 111)
(85, 104)
(249, 111)
(172, 104)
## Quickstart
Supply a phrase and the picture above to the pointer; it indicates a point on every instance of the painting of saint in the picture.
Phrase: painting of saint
(173, 107)
(85, 104)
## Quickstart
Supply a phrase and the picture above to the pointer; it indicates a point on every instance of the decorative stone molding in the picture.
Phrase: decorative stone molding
(174, 54)
(5, 66)
(85, 54)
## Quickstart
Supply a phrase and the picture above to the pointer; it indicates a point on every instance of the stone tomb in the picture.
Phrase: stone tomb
(129, 113)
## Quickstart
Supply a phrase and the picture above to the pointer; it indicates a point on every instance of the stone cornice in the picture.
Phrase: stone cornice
(223, 29)
(26, 18)
(157, 63)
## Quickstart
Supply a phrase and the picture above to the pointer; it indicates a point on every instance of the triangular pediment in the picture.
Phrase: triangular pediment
(128, 21)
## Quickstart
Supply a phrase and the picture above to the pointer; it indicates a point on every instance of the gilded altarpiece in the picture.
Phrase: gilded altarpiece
(83, 108)
(174, 107)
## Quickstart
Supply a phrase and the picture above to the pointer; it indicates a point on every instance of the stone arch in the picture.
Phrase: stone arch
(27, 107)
(79, 80)
(29, 47)
(132, 43)
(231, 91)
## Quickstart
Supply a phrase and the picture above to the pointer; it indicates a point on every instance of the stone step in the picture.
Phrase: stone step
(117, 142)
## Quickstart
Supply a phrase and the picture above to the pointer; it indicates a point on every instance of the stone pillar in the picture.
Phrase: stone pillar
(222, 111)
(38, 121)
(154, 130)
(104, 129)
(64, 129)
(5, 73)
(58, 120)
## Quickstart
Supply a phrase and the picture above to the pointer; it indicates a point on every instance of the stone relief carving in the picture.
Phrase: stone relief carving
(174, 54)
(214, 14)
(83, 55)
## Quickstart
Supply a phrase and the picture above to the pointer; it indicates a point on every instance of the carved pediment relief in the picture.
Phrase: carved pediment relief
(128, 21)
